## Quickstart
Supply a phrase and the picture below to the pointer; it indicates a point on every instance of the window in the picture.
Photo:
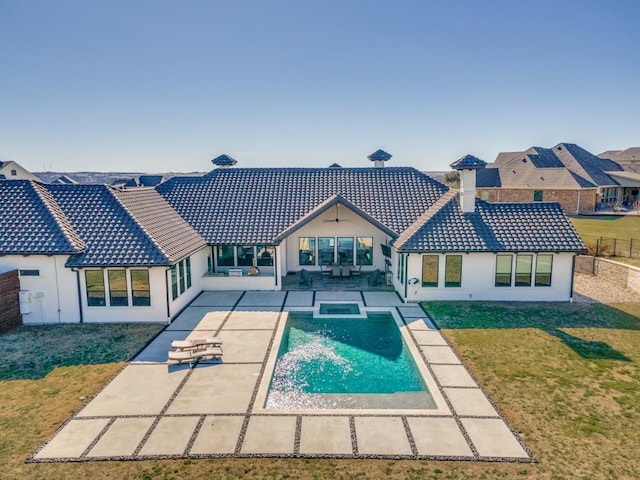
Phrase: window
(453, 271)
(326, 247)
(484, 195)
(210, 260)
(14, 173)
(537, 195)
(399, 269)
(345, 250)
(523, 270)
(181, 276)
(118, 296)
(364, 251)
(245, 255)
(265, 256)
(503, 270)
(32, 272)
(188, 268)
(174, 281)
(140, 290)
(95, 288)
(307, 253)
(543, 270)
(430, 270)
(225, 255)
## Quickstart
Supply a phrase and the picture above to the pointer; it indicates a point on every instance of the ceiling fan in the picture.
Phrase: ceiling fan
(337, 219)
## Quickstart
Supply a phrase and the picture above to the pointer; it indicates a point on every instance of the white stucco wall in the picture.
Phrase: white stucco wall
(355, 226)
(54, 294)
(198, 271)
(478, 279)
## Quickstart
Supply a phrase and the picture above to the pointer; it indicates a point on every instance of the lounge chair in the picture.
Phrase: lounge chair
(305, 278)
(196, 343)
(375, 278)
(194, 355)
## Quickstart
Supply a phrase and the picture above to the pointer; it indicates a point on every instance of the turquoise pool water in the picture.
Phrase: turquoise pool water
(345, 363)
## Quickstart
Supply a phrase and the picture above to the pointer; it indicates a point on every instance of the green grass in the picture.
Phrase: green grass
(605, 226)
(566, 376)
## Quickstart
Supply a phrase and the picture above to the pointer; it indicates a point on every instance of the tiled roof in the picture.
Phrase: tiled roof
(32, 223)
(224, 160)
(494, 227)
(254, 205)
(468, 162)
(110, 231)
(380, 155)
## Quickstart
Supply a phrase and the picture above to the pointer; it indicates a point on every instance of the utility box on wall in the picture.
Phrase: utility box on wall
(9, 301)
(25, 301)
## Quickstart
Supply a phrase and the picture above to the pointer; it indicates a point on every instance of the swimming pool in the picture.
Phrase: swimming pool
(344, 363)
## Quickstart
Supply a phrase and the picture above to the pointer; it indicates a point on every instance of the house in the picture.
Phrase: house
(580, 181)
(13, 171)
(92, 253)
(95, 253)
(629, 159)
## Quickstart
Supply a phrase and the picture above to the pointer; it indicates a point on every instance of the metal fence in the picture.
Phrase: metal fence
(612, 247)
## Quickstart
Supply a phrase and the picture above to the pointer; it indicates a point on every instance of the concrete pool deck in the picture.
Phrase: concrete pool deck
(152, 410)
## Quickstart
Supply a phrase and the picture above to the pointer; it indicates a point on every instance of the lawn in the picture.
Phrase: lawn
(598, 234)
(565, 375)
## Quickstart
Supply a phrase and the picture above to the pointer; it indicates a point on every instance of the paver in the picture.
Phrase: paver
(217, 299)
(382, 299)
(299, 299)
(243, 320)
(191, 316)
(170, 437)
(453, 376)
(337, 296)
(419, 323)
(411, 311)
(438, 436)
(439, 354)
(470, 402)
(130, 392)
(325, 436)
(431, 337)
(73, 439)
(218, 435)
(261, 299)
(270, 434)
(217, 389)
(247, 346)
(492, 438)
(157, 350)
(211, 321)
(382, 435)
(122, 438)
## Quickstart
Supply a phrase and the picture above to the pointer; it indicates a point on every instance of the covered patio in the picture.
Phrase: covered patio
(320, 281)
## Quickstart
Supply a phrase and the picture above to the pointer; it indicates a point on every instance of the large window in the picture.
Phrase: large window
(245, 256)
(95, 288)
(187, 262)
(307, 252)
(364, 251)
(430, 270)
(265, 255)
(225, 255)
(503, 270)
(453, 271)
(544, 265)
(118, 288)
(523, 270)
(345, 250)
(174, 282)
(181, 278)
(140, 290)
(326, 250)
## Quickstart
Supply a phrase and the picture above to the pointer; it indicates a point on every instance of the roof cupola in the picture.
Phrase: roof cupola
(379, 157)
(467, 167)
(224, 161)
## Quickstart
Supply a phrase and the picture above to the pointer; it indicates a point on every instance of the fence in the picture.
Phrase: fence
(612, 247)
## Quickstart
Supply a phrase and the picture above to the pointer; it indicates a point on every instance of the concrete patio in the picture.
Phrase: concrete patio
(152, 410)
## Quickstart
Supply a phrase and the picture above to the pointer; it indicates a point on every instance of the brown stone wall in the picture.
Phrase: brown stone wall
(9, 302)
(568, 199)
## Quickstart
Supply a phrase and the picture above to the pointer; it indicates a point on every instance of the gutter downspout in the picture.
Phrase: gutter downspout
(276, 259)
(578, 205)
(166, 287)
(573, 272)
(77, 272)
(55, 267)
(406, 276)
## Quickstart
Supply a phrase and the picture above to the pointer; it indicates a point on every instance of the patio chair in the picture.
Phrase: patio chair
(305, 278)
(192, 356)
(196, 343)
(336, 271)
(355, 271)
(375, 278)
(345, 271)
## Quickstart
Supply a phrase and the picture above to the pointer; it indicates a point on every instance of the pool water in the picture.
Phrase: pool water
(345, 363)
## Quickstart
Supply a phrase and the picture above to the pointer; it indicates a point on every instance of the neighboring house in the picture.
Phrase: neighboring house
(92, 253)
(144, 181)
(64, 180)
(13, 171)
(580, 181)
(629, 159)
(434, 245)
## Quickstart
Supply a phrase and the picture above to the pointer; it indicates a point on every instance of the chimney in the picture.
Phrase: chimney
(224, 161)
(467, 167)
(379, 157)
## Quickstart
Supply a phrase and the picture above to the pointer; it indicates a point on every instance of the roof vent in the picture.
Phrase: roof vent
(379, 157)
(224, 161)
(467, 167)
(335, 165)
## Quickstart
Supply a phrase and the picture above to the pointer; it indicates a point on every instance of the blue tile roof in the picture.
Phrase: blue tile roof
(111, 233)
(224, 160)
(254, 205)
(380, 155)
(31, 222)
(493, 227)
